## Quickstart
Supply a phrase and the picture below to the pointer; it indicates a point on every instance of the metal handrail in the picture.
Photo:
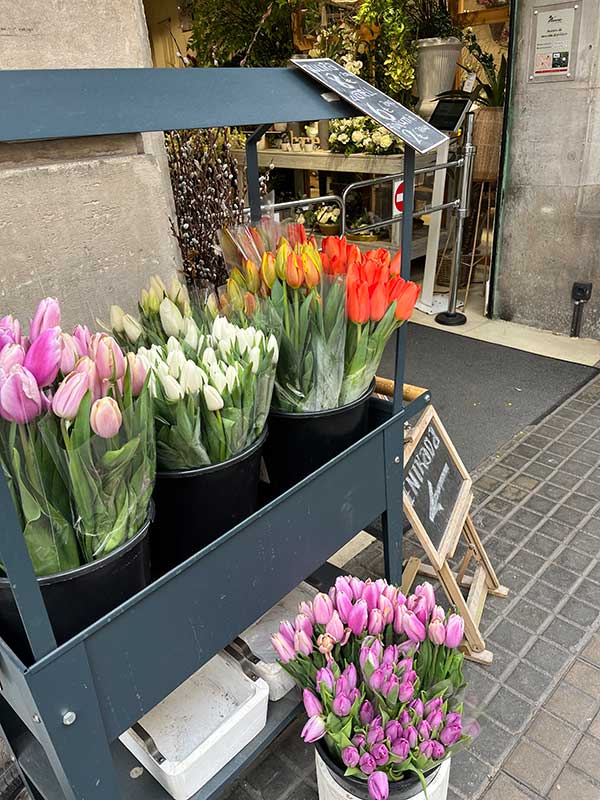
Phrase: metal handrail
(332, 199)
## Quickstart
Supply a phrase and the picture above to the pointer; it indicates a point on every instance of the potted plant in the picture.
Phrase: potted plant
(77, 450)
(383, 687)
(489, 95)
(320, 401)
(328, 220)
(438, 47)
(211, 395)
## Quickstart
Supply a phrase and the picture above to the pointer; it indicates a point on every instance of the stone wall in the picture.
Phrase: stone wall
(550, 233)
(85, 220)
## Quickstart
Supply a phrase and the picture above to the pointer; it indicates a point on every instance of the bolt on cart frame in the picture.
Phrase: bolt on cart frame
(63, 714)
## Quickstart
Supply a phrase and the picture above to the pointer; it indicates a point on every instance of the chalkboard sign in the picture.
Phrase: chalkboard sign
(398, 119)
(437, 487)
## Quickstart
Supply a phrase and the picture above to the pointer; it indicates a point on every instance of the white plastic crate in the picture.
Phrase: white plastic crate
(199, 727)
(330, 790)
(258, 639)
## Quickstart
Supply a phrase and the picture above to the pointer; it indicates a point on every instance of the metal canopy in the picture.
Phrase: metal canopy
(48, 104)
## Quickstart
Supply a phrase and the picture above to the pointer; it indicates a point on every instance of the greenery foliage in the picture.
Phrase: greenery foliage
(491, 91)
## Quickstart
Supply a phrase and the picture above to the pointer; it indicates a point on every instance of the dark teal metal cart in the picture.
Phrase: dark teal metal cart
(63, 714)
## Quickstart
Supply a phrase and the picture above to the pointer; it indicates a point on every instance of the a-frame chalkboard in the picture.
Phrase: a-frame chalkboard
(437, 498)
(437, 487)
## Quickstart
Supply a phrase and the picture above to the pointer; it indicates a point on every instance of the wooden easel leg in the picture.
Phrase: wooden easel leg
(452, 589)
(410, 573)
(493, 584)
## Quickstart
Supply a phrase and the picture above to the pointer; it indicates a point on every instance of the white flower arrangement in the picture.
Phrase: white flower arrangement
(362, 135)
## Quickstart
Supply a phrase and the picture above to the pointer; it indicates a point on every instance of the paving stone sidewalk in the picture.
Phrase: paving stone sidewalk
(538, 512)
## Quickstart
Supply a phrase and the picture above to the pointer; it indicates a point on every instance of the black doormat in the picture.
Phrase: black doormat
(484, 393)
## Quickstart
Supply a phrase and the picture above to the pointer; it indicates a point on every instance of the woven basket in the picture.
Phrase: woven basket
(487, 137)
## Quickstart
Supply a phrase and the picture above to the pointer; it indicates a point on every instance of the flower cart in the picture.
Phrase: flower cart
(63, 713)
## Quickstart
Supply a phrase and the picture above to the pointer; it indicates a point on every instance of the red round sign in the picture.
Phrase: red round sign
(399, 197)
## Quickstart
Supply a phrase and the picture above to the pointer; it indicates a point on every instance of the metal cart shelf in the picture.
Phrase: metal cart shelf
(63, 714)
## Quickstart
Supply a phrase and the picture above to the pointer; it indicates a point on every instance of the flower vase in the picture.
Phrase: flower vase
(75, 599)
(196, 506)
(333, 785)
(301, 442)
(436, 66)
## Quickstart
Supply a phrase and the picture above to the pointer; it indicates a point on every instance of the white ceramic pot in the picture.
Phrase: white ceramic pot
(436, 65)
(329, 789)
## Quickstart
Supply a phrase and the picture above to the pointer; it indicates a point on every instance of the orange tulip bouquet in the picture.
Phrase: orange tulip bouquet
(336, 308)
(282, 279)
(378, 301)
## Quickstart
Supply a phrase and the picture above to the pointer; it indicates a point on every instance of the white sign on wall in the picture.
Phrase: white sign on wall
(554, 42)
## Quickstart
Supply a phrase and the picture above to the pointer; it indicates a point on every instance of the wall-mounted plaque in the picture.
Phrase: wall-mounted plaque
(554, 39)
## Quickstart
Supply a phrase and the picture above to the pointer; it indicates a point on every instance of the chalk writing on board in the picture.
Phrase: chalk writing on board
(398, 119)
(432, 482)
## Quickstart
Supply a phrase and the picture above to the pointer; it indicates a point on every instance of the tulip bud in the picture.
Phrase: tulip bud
(116, 319)
(438, 751)
(438, 613)
(376, 680)
(313, 730)
(344, 606)
(170, 318)
(455, 628)
(401, 748)
(341, 705)
(312, 704)
(212, 398)
(209, 357)
(426, 591)
(192, 378)
(387, 609)
(322, 608)
(302, 622)
(252, 277)
(381, 754)
(217, 378)
(132, 328)
(11, 355)
(172, 389)
(335, 627)
(105, 417)
(311, 265)
(406, 692)
(307, 609)
(254, 356)
(325, 677)
(267, 269)
(108, 357)
(176, 361)
(82, 337)
(411, 735)
(426, 748)
(418, 707)
(357, 618)
(376, 624)
(366, 713)
(69, 353)
(451, 734)
(43, 357)
(283, 648)
(325, 643)
(12, 329)
(286, 629)
(47, 316)
(294, 275)
(371, 595)
(350, 756)
(20, 396)
(424, 729)
(367, 763)
(436, 632)
(413, 627)
(70, 393)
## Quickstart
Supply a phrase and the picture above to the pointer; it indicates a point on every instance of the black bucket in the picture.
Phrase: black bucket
(301, 443)
(77, 598)
(196, 506)
(405, 789)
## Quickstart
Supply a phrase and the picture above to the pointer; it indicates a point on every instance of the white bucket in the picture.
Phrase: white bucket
(330, 790)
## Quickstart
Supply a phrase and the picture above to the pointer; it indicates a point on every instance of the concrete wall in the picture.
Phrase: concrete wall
(550, 236)
(85, 220)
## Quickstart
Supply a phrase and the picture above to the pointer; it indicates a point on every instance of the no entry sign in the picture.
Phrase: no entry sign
(399, 197)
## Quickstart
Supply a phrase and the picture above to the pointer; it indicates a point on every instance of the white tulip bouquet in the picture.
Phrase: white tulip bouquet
(210, 402)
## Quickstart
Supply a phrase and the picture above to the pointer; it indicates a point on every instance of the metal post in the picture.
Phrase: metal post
(452, 316)
(252, 171)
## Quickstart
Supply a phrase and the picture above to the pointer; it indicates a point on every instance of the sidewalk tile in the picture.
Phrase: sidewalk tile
(530, 682)
(468, 774)
(493, 742)
(547, 657)
(585, 677)
(563, 633)
(505, 788)
(510, 636)
(528, 615)
(579, 612)
(510, 710)
(552, 733)
(573, 785)
(533, 766)
(594, 728)
(591, 652)
(570, 704)
(586, 757)
(304, 792)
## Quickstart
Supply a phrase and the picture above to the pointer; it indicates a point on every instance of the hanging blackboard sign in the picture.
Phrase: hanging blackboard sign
(437, 487)
(398, 119)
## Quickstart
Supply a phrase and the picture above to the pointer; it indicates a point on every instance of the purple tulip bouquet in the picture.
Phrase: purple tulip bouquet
(382, 679)
(76, 439)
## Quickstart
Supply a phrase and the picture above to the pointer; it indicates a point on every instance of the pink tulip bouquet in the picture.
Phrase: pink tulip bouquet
(382, 679)
(76, 439)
